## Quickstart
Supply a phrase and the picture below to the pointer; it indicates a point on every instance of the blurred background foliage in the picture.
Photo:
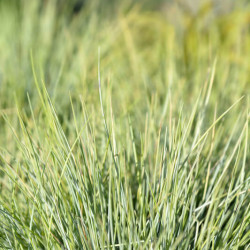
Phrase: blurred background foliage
(148, 49)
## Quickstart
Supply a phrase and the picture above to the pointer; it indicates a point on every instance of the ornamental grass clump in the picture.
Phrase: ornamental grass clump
(124, 131)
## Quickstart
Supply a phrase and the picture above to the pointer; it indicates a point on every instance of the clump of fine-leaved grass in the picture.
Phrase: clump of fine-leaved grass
(179, 186)
(146, 147)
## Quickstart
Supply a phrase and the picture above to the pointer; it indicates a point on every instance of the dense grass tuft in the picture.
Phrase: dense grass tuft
(142, 145)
